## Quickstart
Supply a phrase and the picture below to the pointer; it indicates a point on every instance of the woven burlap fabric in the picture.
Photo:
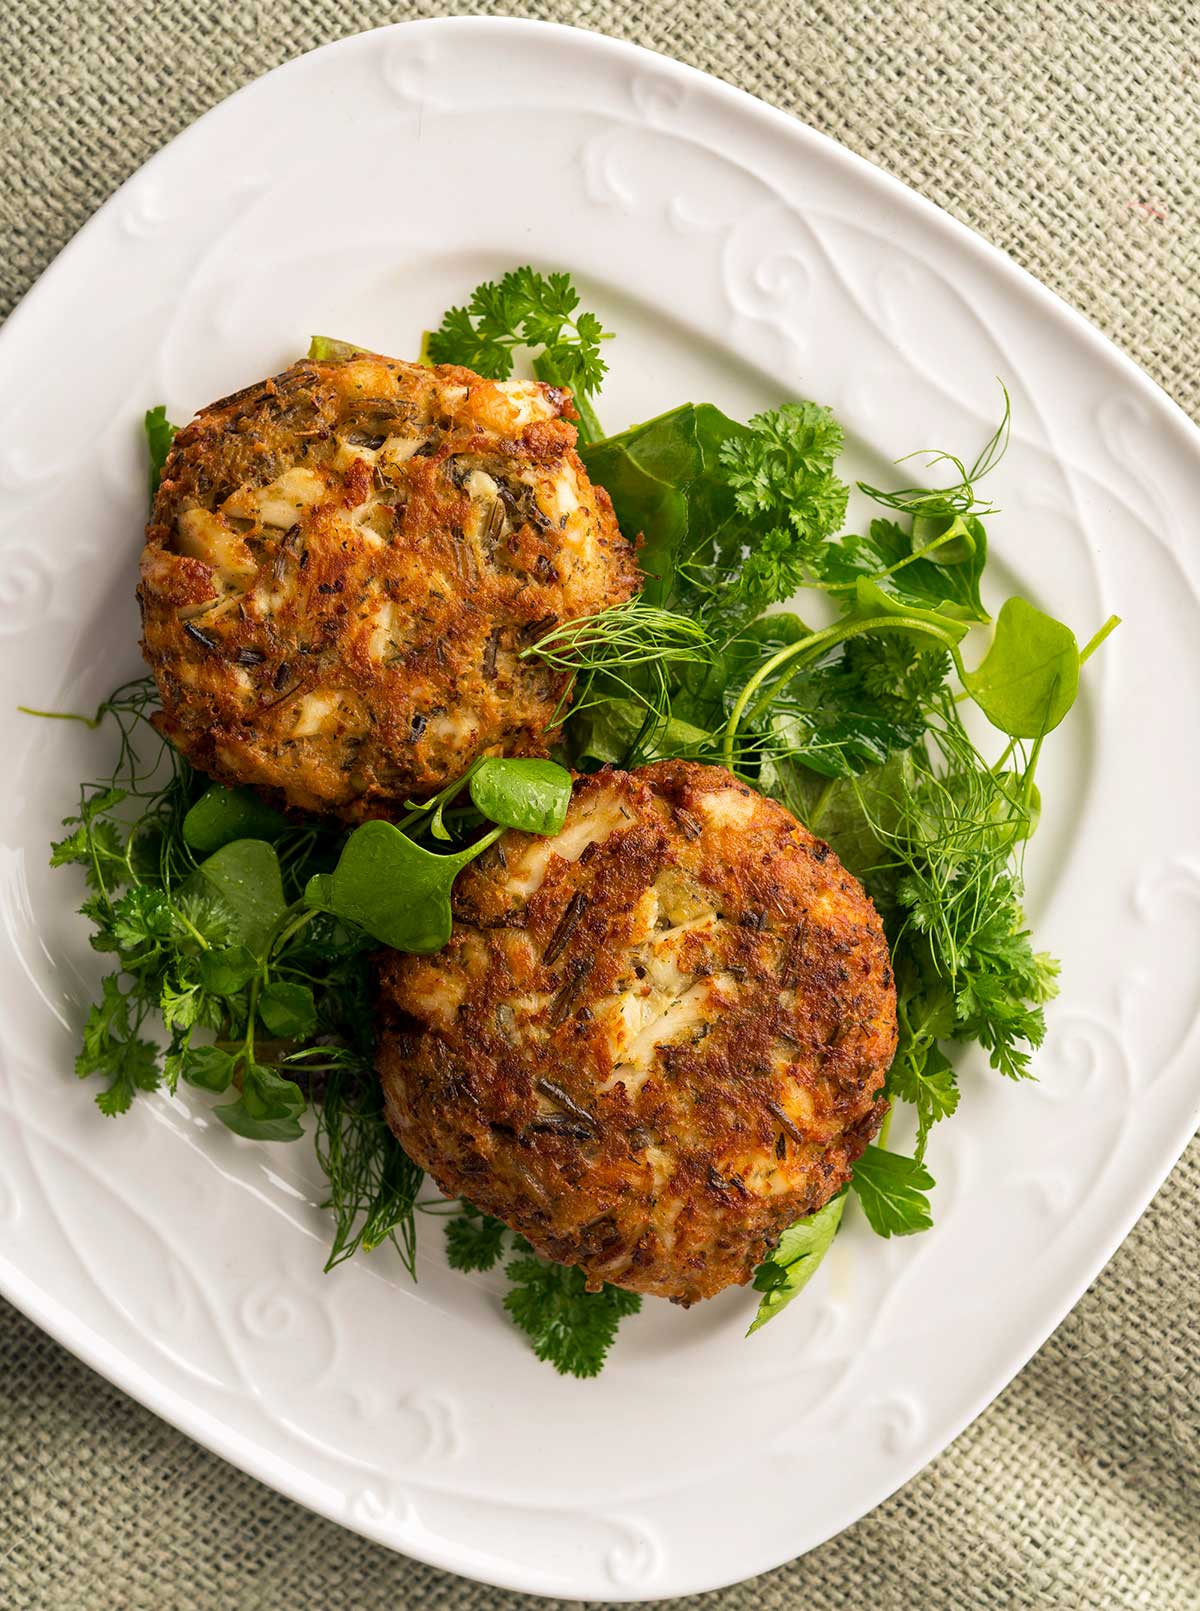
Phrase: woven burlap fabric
(1068, 133)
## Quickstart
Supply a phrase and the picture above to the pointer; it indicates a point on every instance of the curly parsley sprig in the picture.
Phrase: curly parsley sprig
(567, 1326)
(527, 309)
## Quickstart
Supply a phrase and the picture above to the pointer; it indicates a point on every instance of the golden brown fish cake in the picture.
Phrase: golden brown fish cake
(653, 1041)
(343, 565)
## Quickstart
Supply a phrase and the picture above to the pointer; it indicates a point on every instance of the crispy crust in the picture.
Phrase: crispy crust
(653, 1042)
(343, 566)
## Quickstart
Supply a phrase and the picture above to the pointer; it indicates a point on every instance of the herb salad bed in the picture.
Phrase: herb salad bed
(242, 938)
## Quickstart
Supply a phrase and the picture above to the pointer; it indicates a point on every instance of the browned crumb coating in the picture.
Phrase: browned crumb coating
(654, 1041)
(343, 566)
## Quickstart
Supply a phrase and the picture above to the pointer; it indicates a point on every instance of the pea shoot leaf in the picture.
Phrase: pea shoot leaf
(528, 794)
(946, 579)
(226, 971)
(207, 1067)
(392, 887)
(1027, 681)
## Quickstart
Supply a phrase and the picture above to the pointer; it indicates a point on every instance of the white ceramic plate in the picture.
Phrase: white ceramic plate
(742, 258)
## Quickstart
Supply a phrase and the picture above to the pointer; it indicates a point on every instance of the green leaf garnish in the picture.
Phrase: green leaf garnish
(288, 1010)
(222, 815)
(891, 1190)
(1027, 681)
(530, 795)
(666, 480)
(570, 1327)
(527, 309)
(795, 1260)
(160, 434)
(208, 1067)
(395, 889)
(227, 971)
(223, 918)
(112, 1047)
(268, 1109)
(246, 877)
(474, 1241)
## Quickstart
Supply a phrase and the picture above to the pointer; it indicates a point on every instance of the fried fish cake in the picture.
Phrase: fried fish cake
(344, 565)
(653, 1041)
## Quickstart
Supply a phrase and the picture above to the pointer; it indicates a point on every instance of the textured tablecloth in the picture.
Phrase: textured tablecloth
(1067, 132)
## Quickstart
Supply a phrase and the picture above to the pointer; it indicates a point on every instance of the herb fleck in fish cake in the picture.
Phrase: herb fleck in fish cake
(653, 1041)
(343, 565)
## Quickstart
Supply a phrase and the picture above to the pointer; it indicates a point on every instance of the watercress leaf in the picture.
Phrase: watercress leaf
(395, 889)
(160, 433)
(891, 1190)
(796, 1259)
(228, 970)
(237, 1117)
(222, 815)
(1027, 681)
(268, 1109)
(207, 1067)
(288, 1009)
(245, 876)
(268, 1093)
(530, 795)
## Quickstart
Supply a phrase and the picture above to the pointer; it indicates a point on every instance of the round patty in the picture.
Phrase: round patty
(653, 1041)
(343, 566)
